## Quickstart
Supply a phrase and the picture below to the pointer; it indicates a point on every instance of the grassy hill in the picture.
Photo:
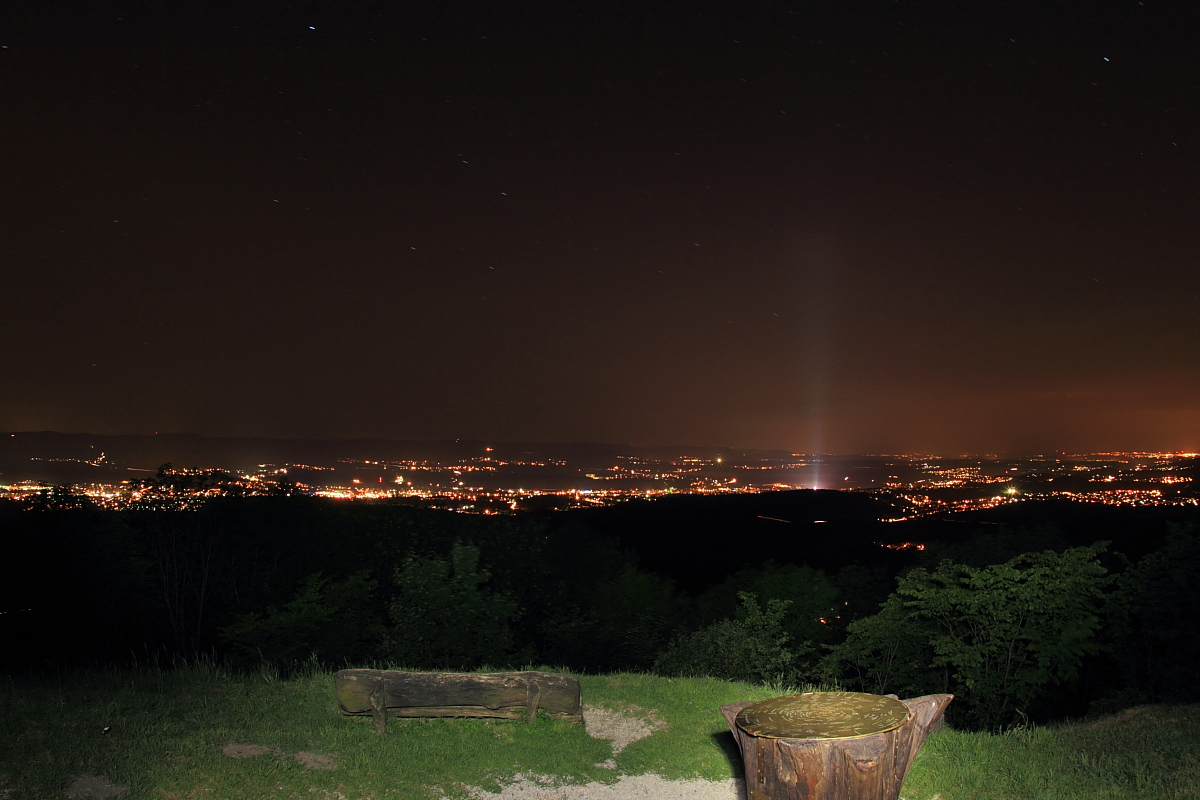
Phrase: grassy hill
(202, 732)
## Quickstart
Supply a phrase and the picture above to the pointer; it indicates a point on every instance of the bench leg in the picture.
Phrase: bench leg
(379, 705)
(533, 697)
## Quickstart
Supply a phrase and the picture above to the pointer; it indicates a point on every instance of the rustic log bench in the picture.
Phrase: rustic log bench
(505, 695)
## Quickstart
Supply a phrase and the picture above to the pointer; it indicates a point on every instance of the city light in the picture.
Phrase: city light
(913, 486)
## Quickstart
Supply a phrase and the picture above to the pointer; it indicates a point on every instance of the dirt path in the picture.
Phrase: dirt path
(627, 787)
(621, 727)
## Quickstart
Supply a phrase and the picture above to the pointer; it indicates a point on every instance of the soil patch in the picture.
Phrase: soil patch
(89, 786)
(316, 761)
(307, 760)
(623, 726)
(247, 750)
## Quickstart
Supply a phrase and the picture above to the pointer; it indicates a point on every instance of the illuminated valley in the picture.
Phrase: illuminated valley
(505, 479)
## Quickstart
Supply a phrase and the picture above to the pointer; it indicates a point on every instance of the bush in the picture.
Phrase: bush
(331, 620)
(752, 647)
(998, 637)
(1152, 622)
(885, 653)
(444, 617)
(813, 598)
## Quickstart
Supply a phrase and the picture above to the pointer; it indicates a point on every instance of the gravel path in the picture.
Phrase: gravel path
(627, 787)
(621, 727)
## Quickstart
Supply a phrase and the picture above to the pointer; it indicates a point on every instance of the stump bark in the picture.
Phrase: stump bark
(856, 768)
(505, 695)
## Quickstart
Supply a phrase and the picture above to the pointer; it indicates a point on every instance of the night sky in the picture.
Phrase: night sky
(823, 226)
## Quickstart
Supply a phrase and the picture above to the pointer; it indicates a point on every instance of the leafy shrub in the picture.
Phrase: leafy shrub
(998, 637)
(812, 596)
(1152, 623)
(752, 647)
(443, 616)
(888, 652)
(333, 620)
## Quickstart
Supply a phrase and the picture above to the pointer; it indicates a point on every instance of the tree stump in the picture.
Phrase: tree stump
(867, 767)
(504, 695)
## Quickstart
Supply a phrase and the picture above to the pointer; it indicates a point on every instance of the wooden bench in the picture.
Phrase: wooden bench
(505, 695)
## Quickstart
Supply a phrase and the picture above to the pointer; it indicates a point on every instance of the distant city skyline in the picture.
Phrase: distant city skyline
(839, 228)
(504, 478)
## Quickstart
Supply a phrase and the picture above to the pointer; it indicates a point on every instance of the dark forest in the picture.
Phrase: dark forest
(1097, 603)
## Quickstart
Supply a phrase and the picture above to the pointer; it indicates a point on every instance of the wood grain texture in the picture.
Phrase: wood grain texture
(858, 768)
(504, 695)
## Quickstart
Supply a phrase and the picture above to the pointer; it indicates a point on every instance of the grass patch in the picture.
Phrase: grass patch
(168, 730)
(1149, 752)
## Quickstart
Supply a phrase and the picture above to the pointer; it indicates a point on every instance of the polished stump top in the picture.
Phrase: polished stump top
(822, 715)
